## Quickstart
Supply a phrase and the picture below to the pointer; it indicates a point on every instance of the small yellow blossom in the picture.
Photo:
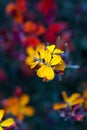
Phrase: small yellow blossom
(18, 106)
(48, 58)
(74, 99)
(6, 123)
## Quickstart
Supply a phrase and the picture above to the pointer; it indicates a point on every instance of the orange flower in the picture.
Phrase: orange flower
(40, 30)
(74, 99)
(18, 17)
(10, 8)
(29, 27)
(18, 106)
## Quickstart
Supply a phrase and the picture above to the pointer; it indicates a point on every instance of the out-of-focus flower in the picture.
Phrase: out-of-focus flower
(29, 27)
(18, 106)
(47, 7)
(74, 99)
(10, 8)
(54, 30)
(18, 17)
(6, 123)
(40, 30)
(36, 29)
(21, 5)
(17, 10)
(30, 41)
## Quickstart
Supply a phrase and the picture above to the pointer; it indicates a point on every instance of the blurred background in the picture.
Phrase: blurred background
(26, 23)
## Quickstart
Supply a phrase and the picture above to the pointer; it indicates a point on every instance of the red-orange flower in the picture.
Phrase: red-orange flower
(21, 5)
(10, 8)
(29, 27)
(46, 7)
(53, 30)
(31, 41)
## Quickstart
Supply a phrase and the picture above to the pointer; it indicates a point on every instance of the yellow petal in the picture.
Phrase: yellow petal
(1, 114)
(41, 51)
(65, 97)
(45, 71)
(73, 97)
(47, 56)
(51, 48)
(28, 111)
(40, 48)
(1, 128)
(78, 101)
(36, 55)
(30, 50)
(58, 106)
(8, 122)
(58, 51)
(55, 60)
(24, 100)
(29, 60)
(61, 66)
(32, 65)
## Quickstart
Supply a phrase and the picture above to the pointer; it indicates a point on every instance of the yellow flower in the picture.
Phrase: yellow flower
(48, 58)
(74, 99)
(46, 69)
(35, 55)
(6, 123)
(18, 106)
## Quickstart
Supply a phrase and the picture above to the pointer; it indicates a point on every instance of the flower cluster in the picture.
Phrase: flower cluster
(47, 58)
(73, 106)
